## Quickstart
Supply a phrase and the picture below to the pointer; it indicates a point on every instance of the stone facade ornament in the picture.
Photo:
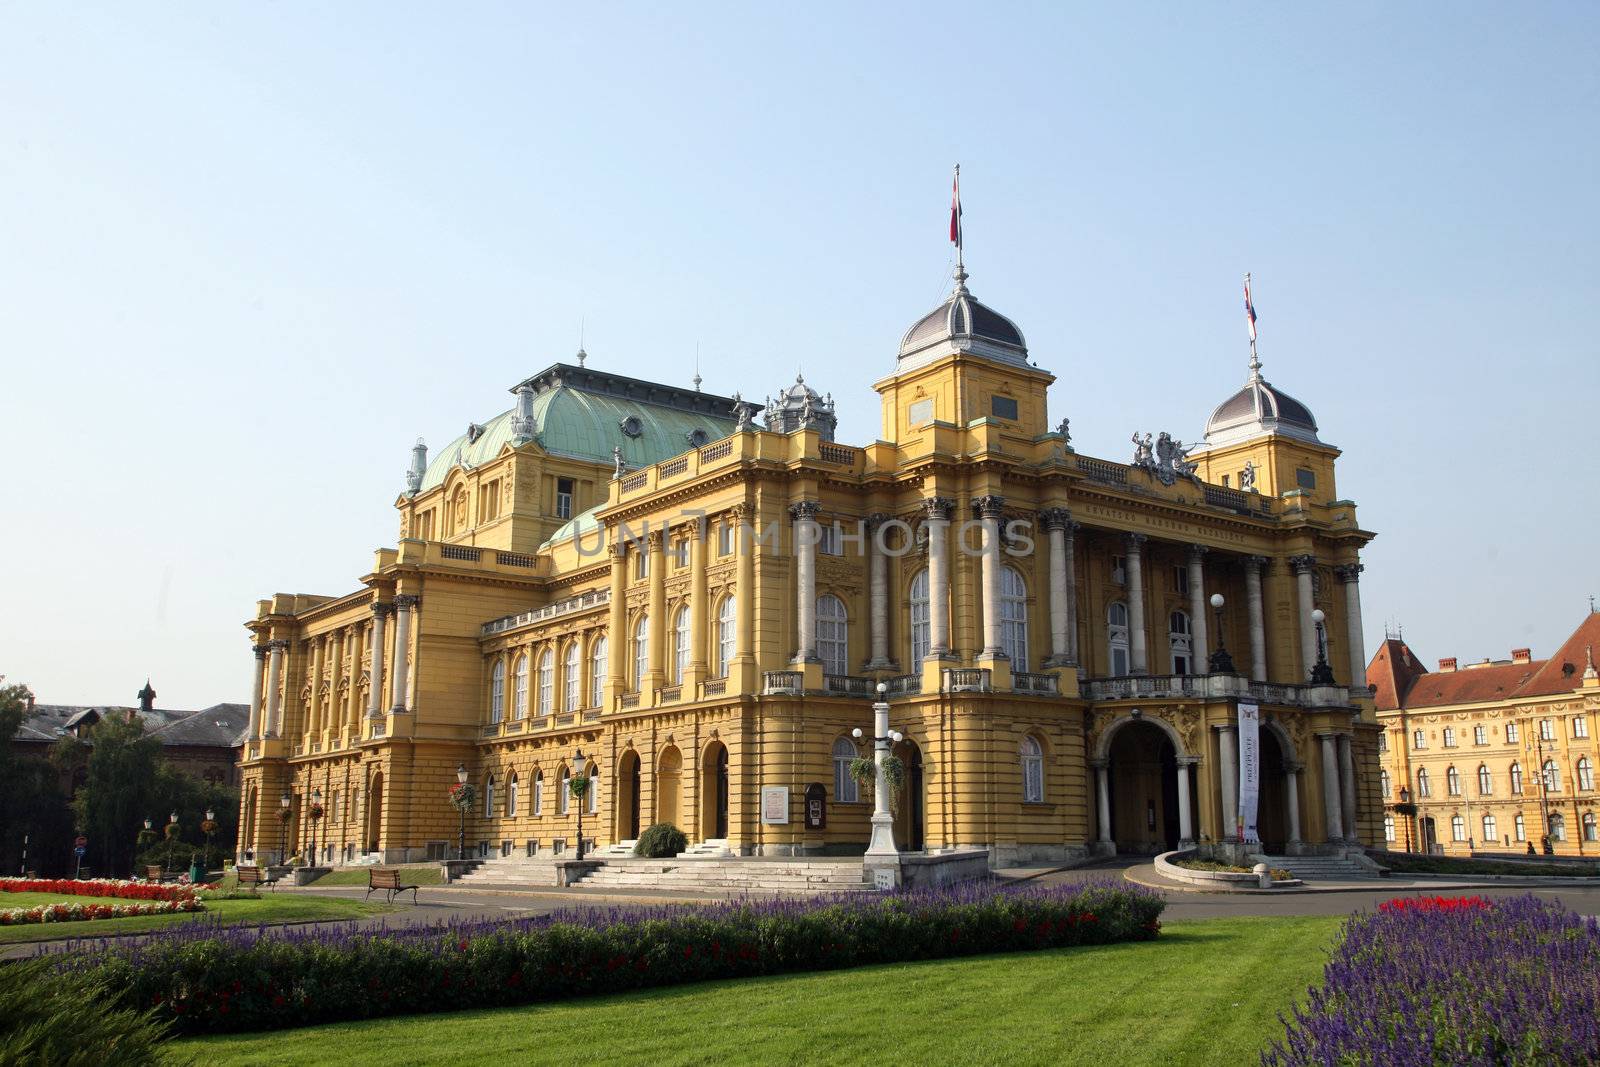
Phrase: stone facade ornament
(1166, 459)
(1247, 477)
(618, 465)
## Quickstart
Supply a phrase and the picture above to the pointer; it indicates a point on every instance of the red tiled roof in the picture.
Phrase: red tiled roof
(1403, 682)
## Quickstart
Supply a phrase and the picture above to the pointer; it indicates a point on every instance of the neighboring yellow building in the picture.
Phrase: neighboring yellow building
(703, 606)
(1496, 756)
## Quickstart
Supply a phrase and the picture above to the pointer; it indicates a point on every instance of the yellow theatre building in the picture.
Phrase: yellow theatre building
(702, 594)
(1494, 756)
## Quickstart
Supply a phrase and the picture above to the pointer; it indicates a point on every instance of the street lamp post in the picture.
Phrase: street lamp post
(882, 843)
(315, 814)
(1321, 673)
(1221, 662)
(283, 823)
(461, 811)
(1406, 812)
(172, 836)
(579, 765)
(210, 827)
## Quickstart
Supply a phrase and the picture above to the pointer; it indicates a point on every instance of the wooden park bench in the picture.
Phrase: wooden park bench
(251, 877)
(388, 880)
(152, 873)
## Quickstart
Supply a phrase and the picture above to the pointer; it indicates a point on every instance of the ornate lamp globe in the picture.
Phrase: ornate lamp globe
(1217, 601)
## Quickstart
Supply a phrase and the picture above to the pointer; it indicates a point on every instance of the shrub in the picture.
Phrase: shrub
(1454, 980)
(661, 840)
(209, 979)
(52, 1016)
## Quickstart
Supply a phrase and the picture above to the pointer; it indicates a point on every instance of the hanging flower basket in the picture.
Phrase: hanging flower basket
(463, 796)
(864, 772)
(578, 787)
(315, 812)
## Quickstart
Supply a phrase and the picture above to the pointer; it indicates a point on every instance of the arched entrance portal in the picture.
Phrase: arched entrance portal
(374, 811)
(1143, 770)
(910, 803)
(628, 797)
(1430, 833)
(669, 785)
(252, 797)
(714, 791)
(1272, 812)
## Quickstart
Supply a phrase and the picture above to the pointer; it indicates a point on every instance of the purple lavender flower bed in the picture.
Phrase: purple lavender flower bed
(1437, 980)
(209, 979)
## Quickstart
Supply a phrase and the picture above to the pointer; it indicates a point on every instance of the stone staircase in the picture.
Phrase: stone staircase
(732, 876)
(617, 851)
(513, 870)
(711, 846)
(1339, 868)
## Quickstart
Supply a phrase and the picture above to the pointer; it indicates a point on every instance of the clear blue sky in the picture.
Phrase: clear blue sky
(249, 252)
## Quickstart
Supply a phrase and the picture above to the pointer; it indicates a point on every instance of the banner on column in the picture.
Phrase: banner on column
(1249, 770)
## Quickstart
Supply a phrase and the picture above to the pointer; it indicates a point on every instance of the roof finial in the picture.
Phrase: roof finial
(1250, 324)
(582, 355)
(697, 379)
(956, 234)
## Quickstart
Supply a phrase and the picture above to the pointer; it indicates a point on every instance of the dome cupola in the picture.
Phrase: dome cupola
(1259, 409)
(962, 325)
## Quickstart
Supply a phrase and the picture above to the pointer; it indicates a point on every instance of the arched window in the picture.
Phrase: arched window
(1423, 790)
(519, 691)
(1520, 826)
(1014, 617)
(1491, 830)
(845, 790)
(1552, 777)
(1032, 771)
(1516, 779)
(919, 617)
(497, 691)
(1452, 781)
(1585, 773)
(571, 679)
(1383, 784)
(1485, 780)
(1388, 827)
(727, 621)
(1117, 638)
(1591, 832)
(597, 671)
(538, 793)
(547, 681)
(1558, 827)
(488, 798)
(1182, 642)
(680, 643)
(1458, 828)
(563, 794)
(641, 651)
(512, 788)
(833, 635)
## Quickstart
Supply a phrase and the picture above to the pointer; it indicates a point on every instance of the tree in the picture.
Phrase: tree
(31, 803)
(119, 790)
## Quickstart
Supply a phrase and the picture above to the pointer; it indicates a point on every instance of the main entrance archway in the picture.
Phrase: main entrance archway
(374, 811)
(669, 785)
(910, 802)
(1272, 810)
(1142, 764)
(628, 796)
(714, 791)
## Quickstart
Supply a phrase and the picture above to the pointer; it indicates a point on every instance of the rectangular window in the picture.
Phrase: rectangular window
(641, 565)
(725, 539)
(1418, 740)
(1449, 737)
(828, 539)
(1180, 578)
(1383, 742)
(680, 554)
(565, 491)
(1119, 570)
(1305, 479)
(1547, 729)
(1224, 481)
(1511, 732)
(489, 501)
(425, 525)
(920, 412)
(1003, 407)
(1480, 735)
(1580, 727)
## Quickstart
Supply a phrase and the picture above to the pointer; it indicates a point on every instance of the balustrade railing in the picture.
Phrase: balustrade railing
(1024, 682)
(715, 687)
(967, 680)
(849, 685)
(782, 682)
(630, 700)
(593, 598)
(671, 694)
(904, 685)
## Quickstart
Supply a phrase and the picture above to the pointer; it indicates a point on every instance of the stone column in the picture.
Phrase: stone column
(333, 714)
(1350, 576)
(1258, 628)
(990, 510)
(1102, 785)
(352, 703)
(878, 581)
(1291, 791)
(745, 604)
(276, 684)
(1347, 788)
(380, 625)
(616, 630)
(257, 685)
(404, 605)
(1069, 553)
(314, 657)
(1138, 660)
(659, 624)
(1201, 660)
(1185, 815)
(806, 534)
(1228, 771)
(1331, 803)
(1055, 522)
(1303, 566)
(938, 509)
(699, 609)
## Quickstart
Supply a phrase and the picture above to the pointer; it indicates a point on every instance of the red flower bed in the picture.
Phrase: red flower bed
(1407, 904)
(99, 887)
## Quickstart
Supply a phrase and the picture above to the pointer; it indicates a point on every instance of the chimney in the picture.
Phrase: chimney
(1522, 655)
(1447, 665)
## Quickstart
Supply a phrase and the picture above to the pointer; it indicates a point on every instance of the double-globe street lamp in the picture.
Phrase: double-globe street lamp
(882, 842)
(283, 824)
(461, 810)
(579, 765)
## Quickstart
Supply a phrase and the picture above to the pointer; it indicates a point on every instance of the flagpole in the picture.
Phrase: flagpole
(961, 235)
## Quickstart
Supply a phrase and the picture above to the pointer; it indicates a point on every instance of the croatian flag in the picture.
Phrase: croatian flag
(1249, 310)
(955, 209)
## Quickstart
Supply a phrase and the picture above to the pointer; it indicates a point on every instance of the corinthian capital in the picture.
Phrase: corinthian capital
(990, 506)
(1055, 518)
(1348, 572)
(1302, 564)
(939, 508)
(804, 510)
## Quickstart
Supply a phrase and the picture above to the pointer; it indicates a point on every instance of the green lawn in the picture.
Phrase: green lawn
(1203, 993)
(266, 909)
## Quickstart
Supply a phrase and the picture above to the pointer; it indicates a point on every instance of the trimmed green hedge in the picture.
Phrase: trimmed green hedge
(660, 841)
(225, 980)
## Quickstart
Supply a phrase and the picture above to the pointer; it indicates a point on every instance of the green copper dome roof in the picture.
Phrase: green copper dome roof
(584, 414)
